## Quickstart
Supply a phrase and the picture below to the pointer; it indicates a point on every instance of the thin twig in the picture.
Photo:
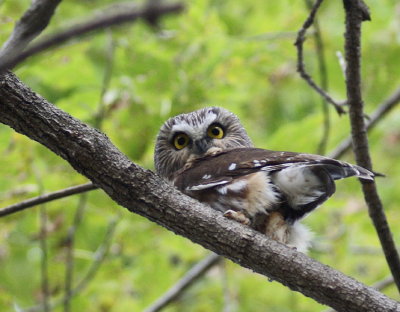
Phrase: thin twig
(98, 260)
(44, 259)
(356, 13)
(46, 198)
(108, 70)
(300, 60)
(342, 63)
(99, 257)
(70, 243)
(116, 17)
(320, 52)
(383, 109)
(190, 277)
(44, 276)
(382, 284)
(31, 24)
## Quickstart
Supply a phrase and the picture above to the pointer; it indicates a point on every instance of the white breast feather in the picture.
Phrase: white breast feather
(300, 237)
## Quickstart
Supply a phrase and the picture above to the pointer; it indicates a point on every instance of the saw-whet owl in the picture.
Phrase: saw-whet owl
(208, 155)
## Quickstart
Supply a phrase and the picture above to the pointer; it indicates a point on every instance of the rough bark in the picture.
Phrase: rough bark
(141, 191)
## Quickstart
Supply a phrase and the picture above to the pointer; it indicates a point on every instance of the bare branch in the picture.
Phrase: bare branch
(190, 277)
(141, 191)
(31, 24)
(382, 284)
(116, 17)
(46, 198)
(342, 63)
(383, 109)
(44, 268)
(109, 67)
(356, 13)
(70, 243)
(300, 60)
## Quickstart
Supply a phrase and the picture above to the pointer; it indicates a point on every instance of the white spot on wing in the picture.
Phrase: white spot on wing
(206, 176)
(232, 166)
(233, 187)
(200, 187)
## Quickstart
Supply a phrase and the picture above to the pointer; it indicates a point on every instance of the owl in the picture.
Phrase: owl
(208, 155)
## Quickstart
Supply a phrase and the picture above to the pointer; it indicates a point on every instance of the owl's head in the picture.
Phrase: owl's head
(191, 135)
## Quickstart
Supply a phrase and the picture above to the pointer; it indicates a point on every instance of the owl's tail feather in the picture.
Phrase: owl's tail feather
(345, 170)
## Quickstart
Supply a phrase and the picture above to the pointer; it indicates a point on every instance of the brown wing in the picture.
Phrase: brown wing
(213, 170)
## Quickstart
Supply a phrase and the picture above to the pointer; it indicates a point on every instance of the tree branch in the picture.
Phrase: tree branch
(300, 59)
(141, 191)
(356, 13)
(46, 198)
(70, 244)
(117, 16)
(31, 24)
(44, 260)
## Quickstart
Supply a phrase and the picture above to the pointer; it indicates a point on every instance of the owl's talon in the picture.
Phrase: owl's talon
(238, 216)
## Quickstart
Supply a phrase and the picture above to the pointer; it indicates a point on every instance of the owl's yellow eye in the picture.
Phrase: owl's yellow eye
(181, 140)
(215, 131)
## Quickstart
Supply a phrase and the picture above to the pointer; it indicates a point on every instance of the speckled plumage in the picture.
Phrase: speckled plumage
(268, 190)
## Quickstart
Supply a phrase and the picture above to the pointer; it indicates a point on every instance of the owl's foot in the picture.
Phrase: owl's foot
(238, 216)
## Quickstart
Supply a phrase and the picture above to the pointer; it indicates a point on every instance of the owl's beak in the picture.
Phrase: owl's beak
(200, 146)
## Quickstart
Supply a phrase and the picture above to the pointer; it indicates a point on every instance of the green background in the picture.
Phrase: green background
(235, 54)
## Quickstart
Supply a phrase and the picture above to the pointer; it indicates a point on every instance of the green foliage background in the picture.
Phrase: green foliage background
(235, 54)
